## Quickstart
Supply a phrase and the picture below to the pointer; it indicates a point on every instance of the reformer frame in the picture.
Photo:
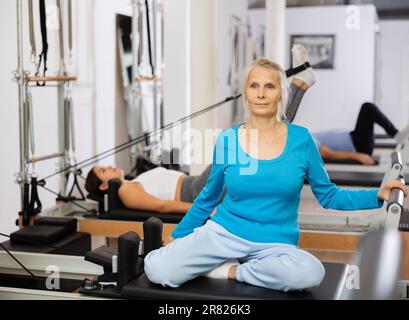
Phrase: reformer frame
(24, 81)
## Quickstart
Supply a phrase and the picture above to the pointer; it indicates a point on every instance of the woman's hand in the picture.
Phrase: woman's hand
(365, 159)
(384, 193)
(168, 240)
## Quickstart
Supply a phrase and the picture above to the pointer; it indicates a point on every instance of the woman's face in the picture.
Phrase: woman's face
(107, 173)
(263, 92)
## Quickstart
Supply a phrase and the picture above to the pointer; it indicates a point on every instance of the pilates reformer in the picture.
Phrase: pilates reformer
(27, 83)
(153, 295)
(118, 215)
(60, 235)
(352, 173)
(110, 273)
(369, 179)
(353, 179)
(341, 231)
(383, 145)
(124, 269)
(381, 162)
(44, 79)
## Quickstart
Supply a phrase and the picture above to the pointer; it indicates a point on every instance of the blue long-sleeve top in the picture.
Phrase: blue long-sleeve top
(263, 196)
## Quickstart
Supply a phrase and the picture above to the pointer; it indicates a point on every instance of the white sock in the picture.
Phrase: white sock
(221, 271)
(300, 56)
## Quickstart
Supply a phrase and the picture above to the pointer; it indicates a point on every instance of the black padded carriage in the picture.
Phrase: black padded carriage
(358, 179)
(203, 288)
(50, 235)
(216, 289)
(350, 162)
(133, 283)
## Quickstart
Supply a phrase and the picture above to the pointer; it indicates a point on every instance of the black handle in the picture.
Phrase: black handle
(128, 250)
(396, 196)
(152, 231)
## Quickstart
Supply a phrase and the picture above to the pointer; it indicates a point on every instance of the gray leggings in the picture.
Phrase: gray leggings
(192, 185)
(296, 95)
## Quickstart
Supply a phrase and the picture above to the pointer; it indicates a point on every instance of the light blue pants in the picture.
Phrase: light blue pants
(270, 265)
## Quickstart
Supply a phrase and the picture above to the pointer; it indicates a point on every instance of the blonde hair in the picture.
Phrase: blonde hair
(285, 93)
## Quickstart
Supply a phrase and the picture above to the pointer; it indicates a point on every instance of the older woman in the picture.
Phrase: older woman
(253, 235)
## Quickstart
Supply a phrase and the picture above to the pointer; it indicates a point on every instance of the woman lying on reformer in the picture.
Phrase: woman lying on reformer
(170, 191)
(358, 144)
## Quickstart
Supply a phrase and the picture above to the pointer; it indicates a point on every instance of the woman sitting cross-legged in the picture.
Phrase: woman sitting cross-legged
(253, 235)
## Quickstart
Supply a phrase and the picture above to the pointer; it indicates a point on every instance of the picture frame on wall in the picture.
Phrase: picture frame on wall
(321, 49)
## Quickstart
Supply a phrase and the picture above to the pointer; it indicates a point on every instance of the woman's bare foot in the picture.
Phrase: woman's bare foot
(226, 270)
(232, 272)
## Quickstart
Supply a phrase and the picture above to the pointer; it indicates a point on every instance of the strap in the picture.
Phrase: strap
(233, 38)
(66, 125)
(70, 106)
(70, 28)
(141, 36)
(61, 36)
(148, 25)
(76, 185)
(31, 32)
(147, 140)
(144, 68)
(44, 52)
(154, 34)
(25, 213)
(301, 68)
(31, 121)
(35, 205)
